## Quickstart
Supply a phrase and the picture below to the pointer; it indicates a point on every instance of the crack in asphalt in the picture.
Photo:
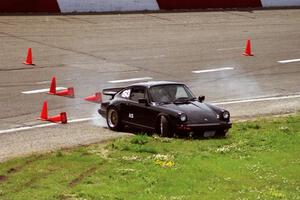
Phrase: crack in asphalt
(22, 68)
(81, 20)
(157, 17)
(239, 15)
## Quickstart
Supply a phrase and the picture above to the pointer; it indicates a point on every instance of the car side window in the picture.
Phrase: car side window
(181, 92)
(125, 94)
(137, 93)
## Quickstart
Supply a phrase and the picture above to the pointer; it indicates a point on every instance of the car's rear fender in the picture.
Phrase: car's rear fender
(104, 106)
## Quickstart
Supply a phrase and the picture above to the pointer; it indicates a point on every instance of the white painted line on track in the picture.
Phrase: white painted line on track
(131, 80)
(289, 61)
(83, 119)
(150, 57)
(42, 90)
(227, 49)
(213, 70)
(44, 125)
(257, 100)
(42, 82)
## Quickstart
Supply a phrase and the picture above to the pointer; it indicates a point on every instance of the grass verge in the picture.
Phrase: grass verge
(258, 160)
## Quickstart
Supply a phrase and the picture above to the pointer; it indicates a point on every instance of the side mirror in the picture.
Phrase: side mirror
(201, 98)
(143, 101)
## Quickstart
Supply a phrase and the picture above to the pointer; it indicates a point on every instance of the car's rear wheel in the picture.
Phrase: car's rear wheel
(113, 119)
(165, 129)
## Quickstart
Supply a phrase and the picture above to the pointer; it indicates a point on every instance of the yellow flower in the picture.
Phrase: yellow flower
(168, 163)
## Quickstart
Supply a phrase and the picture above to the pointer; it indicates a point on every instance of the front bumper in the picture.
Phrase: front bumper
(204, 127)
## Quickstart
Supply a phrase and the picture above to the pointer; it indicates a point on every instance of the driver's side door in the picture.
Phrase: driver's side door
(140, 114)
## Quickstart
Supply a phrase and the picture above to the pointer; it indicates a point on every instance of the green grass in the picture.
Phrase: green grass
(258, 160)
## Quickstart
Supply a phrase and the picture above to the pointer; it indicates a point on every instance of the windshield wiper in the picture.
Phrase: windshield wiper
(183, 100)
(192, 99)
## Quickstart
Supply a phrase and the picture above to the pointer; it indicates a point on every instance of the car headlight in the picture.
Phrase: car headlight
(226, 115)
(183, 117)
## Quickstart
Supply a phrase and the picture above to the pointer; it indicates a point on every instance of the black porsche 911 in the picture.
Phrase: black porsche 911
(166, 108)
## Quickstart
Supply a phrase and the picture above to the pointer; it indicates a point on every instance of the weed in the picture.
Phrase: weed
(140, 139)
(164, 160)
(67, 196)
(145, 149)
(131, 158)
(120, 144)
(250, 125)
(163, 139)
(285, 129)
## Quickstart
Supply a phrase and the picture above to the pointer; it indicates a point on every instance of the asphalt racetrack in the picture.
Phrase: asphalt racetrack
(92, 52)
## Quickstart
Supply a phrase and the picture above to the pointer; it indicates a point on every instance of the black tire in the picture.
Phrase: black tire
(164, 127)
(113, 119)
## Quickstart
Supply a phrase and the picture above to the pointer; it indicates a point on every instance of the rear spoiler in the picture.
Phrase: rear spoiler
(111, 91)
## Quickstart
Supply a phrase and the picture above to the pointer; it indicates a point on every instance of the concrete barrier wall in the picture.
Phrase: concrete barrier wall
(106, 5)
(277, 3)
(68, 6)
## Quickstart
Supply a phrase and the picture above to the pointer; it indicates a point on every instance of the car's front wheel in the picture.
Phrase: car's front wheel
(113, 119)
(165, 129)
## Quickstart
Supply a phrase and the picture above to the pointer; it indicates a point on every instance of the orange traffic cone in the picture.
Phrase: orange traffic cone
(62, 117)
(248, 49)
(97, 98)
(44, 113)
(53, 86)
(66, 93)
(29, 58)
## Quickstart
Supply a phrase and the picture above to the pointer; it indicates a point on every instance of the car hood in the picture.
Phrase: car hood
(196, 112)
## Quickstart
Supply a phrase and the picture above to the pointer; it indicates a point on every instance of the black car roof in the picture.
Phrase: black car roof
(155, 83)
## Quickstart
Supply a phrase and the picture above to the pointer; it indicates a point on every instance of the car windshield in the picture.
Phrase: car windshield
(170, 93)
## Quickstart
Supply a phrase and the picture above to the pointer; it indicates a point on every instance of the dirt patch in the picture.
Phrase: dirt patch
(12, 170)
(20, 167)
(3, 178)
(32, 181)
(77, 180)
